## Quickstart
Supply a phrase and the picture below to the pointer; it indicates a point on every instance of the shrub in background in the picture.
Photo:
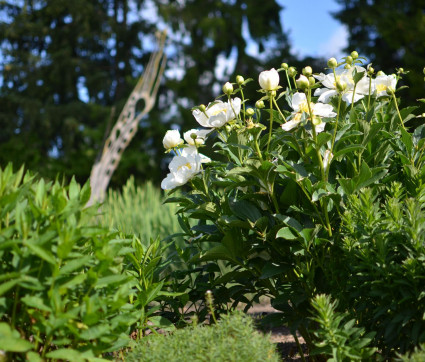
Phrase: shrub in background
(232, 339)
(139, 210)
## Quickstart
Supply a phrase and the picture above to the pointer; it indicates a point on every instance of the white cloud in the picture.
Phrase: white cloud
(334, 45)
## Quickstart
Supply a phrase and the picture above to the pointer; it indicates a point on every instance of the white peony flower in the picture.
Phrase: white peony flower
(218, 114)
(201, 135)
(299, 105)
(183, 167)
(172, 139)
(345, 78)
(269, 79)
(383, 83)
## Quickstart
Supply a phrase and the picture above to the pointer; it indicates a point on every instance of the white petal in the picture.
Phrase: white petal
(323, 110)
(290, 125)
(326, 96)
(320, 127)
(297, 100)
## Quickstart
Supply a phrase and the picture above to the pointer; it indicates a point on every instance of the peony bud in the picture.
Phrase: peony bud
(332, 63)
(228, 88)
(250, 112)
(172, 139)
(269, 79)
(311, 81)
(354, 54)
(302, 82)
(239, 79)
(349, 60)
(380, 73)
(202, 108)
(341, 86)
(285, 66)
(307, 71)
(259, 104)
(370, 71)
(292, 72)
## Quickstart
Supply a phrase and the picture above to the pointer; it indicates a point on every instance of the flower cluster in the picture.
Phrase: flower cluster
(187, 161)
(310, 98)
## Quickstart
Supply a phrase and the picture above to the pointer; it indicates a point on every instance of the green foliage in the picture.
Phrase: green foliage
(233, 338)
(381, 29)
(337, 337)
(69, 289)
(139, 210)
(272, 207)
(68, 68)
(383, 252)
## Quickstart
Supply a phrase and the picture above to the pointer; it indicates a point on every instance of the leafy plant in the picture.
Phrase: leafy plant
(66, 290)
(336, 336)
(271, 206)
(233, 338)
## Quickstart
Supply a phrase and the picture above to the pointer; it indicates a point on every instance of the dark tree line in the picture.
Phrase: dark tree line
(68, 67)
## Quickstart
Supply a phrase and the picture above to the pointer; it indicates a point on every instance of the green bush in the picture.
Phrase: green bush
(273, 203)
(68, 289)
(139, 210)
(233, 338)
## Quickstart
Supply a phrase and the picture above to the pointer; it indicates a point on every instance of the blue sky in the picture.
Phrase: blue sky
(312, 29)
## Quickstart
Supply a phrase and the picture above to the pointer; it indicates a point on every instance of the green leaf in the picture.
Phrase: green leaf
(42, 253)
(244, 210)
(36, 302)
(347, 149)
(271, 269)
(219, 252)
(10, 340)
(163, 323)
(286, 233)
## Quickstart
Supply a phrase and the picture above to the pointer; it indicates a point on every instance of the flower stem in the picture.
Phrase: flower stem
(287, 79)
(271, 122)
(398, 111)
(278, 109)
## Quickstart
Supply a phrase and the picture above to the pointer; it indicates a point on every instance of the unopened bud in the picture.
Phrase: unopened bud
(347, 66)
(259, 104)
(292, 72)
(311, 81)
(239, 79)
(250, 112)
(202, 108)
(307, 71)
(341, 86)
(424, 70)
(390, 91)
(228, 88)
(354, 54)
(285, 66)
(349, 60)
(400, 71)
(380, 73)
(194, 136)
(302, 82)
(370, 71)
(332, 63)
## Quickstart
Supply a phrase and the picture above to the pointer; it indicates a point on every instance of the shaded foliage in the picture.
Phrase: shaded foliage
(68, 68)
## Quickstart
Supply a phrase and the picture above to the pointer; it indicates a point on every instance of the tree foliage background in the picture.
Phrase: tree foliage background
(67, 68)
(391, 33)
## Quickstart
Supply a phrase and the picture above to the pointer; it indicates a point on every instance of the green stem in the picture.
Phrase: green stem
(257, 148)
(278, 109)
(352, 98)
(335, 130)
(370, 91)
(287, 79)
(398, 111)
(271, 122)
(300, 350)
